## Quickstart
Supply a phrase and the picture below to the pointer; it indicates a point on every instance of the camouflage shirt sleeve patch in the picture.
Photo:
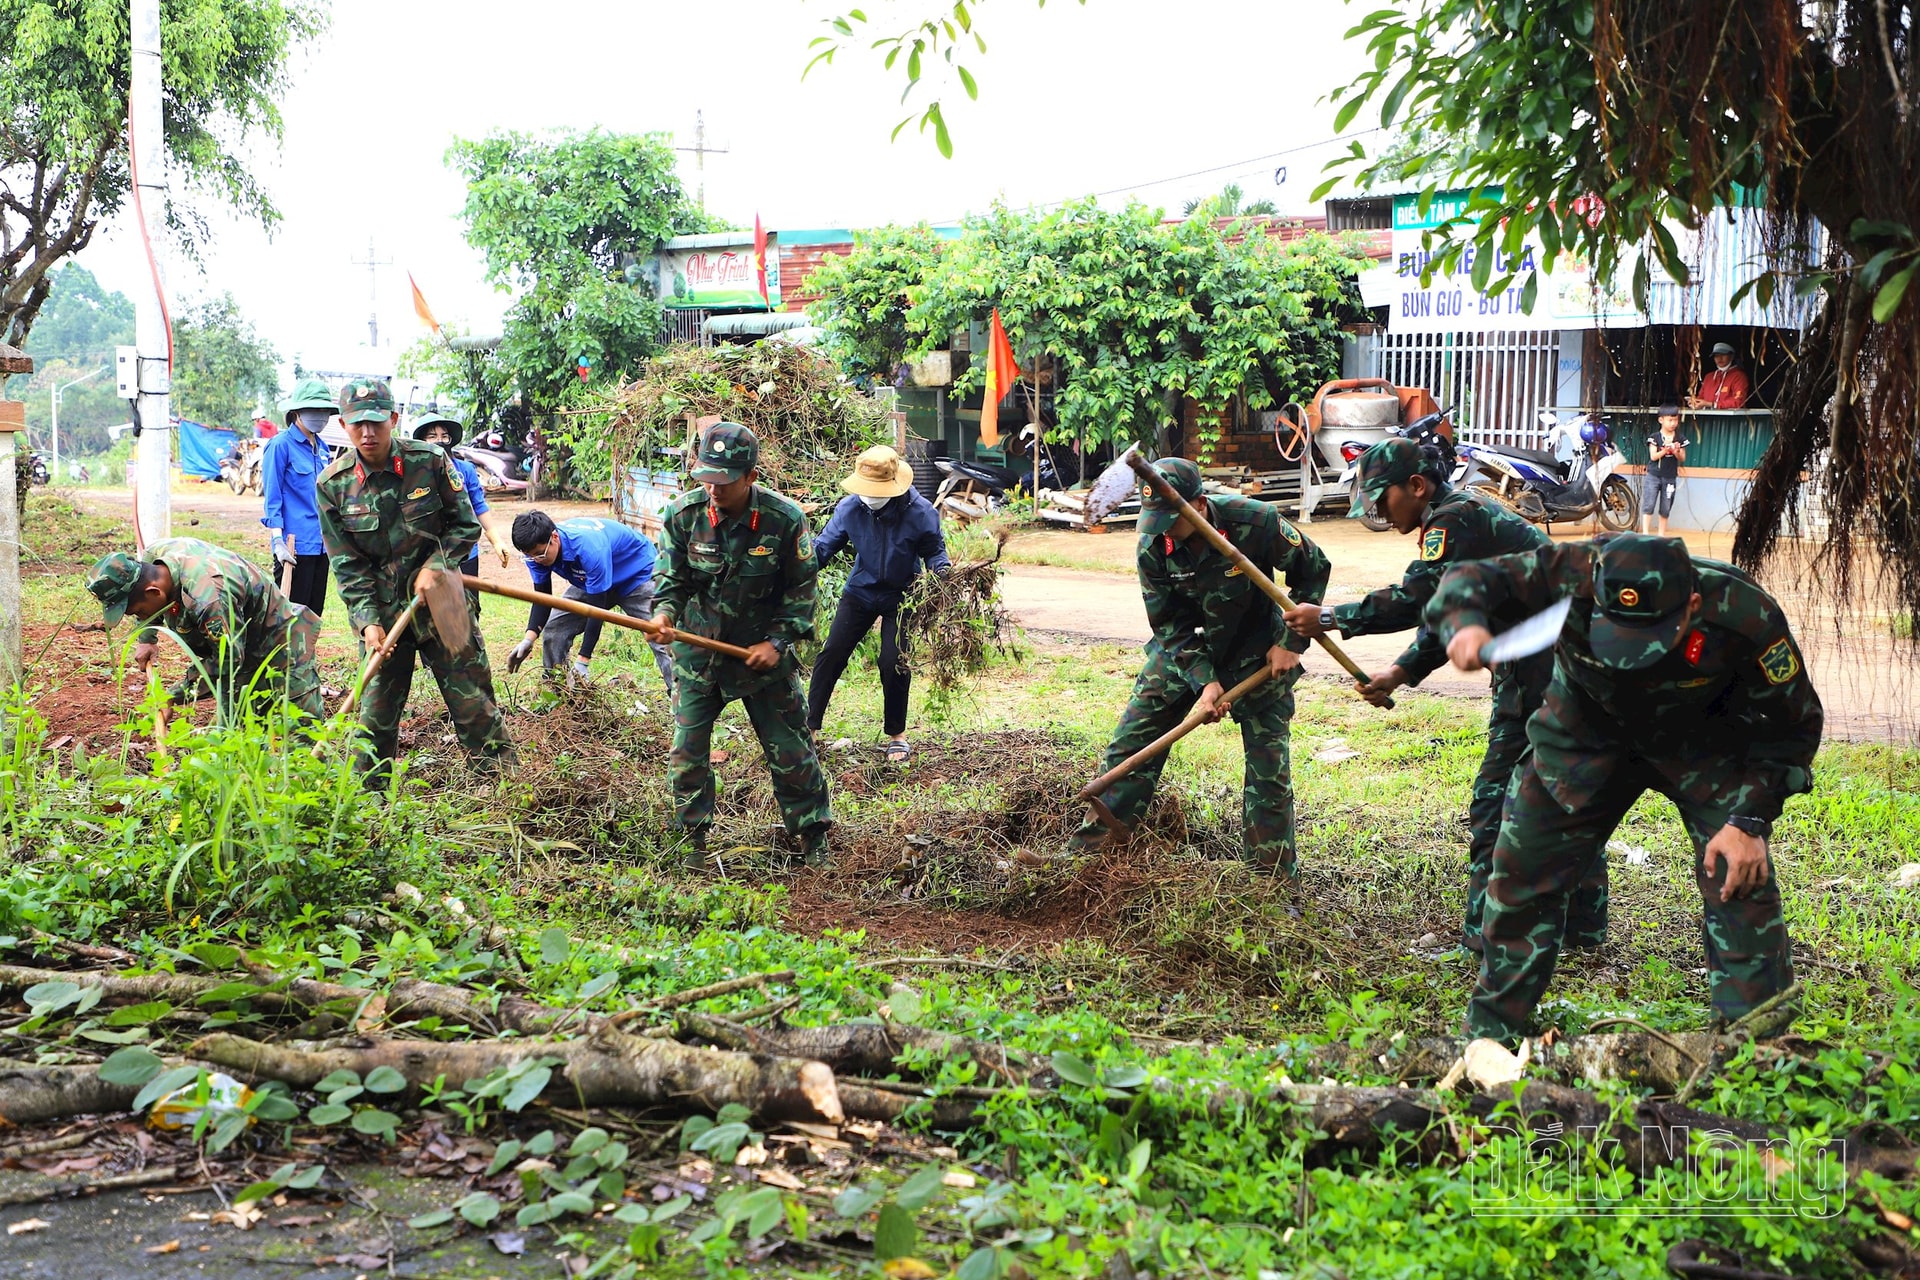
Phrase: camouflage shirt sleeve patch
(1780, 662)
(1434, 544)
(1290, 533)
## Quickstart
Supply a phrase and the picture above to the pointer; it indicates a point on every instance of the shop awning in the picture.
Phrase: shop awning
(754, 323)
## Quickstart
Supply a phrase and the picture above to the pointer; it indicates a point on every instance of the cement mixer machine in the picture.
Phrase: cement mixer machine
(1346, 418)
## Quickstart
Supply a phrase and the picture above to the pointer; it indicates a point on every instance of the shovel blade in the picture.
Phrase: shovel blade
(1112, 487)
(446, 601)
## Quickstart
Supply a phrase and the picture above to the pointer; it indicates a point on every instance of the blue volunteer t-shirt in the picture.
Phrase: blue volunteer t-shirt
(470, 480)
(601, 557)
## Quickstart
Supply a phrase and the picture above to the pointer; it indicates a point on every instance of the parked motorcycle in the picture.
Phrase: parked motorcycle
(241, 467)
(983, 485)
(502, 468)
(37, 468)
(1572, 479)
(1434, 430)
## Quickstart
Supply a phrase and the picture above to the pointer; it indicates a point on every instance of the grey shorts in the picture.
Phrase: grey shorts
(1656, 495)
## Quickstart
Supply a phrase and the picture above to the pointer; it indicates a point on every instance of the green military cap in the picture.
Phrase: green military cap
(1395, 460)
(434, 418)
(113, 579)
(366, 400)
(311, 393)
(1642, 586)
(726, 452)
(1157, 515)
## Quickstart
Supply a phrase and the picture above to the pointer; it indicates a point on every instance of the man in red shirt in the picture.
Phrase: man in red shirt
(1724, 388)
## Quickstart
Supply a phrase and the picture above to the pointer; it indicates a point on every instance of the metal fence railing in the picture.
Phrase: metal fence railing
(1500, 379)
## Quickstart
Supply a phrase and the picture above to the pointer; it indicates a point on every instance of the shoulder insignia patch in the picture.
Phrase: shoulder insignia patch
(1290, 533)
(1434, 544)
(421, 492)
(803, 547)
(1780, 662)
(761, 551)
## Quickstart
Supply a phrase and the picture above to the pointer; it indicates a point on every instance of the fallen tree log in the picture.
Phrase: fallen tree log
(1659, 1061)
(29, 1095)
(851, 1048)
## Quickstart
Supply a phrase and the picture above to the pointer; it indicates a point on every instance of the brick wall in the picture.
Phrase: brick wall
(1234, 449)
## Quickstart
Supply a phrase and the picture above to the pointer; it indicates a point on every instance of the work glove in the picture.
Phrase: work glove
(281, 553)
(519, 654)
(580, 669)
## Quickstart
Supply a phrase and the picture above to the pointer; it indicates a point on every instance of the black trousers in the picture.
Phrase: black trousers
(851, 622)
(309, 581)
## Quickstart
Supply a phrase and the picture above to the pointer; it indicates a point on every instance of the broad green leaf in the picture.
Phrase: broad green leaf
(228, 992)
(966, 82)
(138, 1015)
(1138, 1157)
(1888, 299)
(384, 1079)
(131, 1066)
(214, 955)
(479, 1208)
(1125, 1076)
(894, 1235)
(920, 1188)
(856, 1202)
(632, 1215)
(373, 1121)
(307, 1179)
(329, 1113)
(941, 138)
(611, 1156)
(132, 1035)
(1345, 115)
(340, 1097)
(437, 1217)
(337, 1080)
(532, 1215)
(163, 1084)
(1072, 1068)
(226, 1129)
(723, 1140)
(503, 1155)
(981, 1264)
(763, 1211)
(257, 1191)
(554, 945)
(597, 986)
(588, 1141)
(273, 1104)
(541, 1143)
(904, 1005)
(49, 997)
(527, 1088)
(572, 1202)
(672, 1208)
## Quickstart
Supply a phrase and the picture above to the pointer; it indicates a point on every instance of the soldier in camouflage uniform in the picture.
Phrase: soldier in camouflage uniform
(1212, 628)
(738, 566)
(1673, 675)
(1407, 487)
(389, 511)
(229, 614)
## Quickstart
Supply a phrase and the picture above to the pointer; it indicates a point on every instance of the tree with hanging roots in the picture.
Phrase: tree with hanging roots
(1599, 124)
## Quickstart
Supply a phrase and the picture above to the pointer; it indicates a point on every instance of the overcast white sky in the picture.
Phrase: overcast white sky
(1111, 97)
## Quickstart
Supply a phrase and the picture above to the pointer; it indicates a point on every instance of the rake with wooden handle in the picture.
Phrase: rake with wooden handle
(1092, 792)
(605, 615)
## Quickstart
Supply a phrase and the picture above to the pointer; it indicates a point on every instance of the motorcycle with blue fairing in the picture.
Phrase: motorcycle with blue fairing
(1574, 478)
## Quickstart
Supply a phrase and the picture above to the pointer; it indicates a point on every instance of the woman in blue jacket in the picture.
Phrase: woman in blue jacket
(894, 531)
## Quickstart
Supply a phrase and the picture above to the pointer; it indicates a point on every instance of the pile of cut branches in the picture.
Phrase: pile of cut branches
(952, 622)
(811, 422)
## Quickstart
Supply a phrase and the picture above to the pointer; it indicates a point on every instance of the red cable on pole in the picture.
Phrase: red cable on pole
(146, 241)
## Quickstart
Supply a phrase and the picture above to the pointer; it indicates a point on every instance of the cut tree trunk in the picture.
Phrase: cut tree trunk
(853, 1048)
(29, 1095)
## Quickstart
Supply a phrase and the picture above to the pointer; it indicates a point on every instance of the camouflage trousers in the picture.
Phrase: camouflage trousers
(1544, 853)
(1515, 698)
(778, 712)
(466, 682)
(288, 671)
(1161, 699)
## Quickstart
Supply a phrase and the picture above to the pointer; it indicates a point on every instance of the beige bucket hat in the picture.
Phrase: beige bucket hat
(880, 473)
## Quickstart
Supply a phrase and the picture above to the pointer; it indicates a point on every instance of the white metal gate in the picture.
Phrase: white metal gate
(1499, 379)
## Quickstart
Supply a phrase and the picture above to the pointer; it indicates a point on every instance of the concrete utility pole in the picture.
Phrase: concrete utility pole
(56, 416)
(373, 265)
(701, 151)
(153, 496)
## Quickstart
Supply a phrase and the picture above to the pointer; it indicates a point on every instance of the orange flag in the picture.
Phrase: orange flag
(1002, 372)
(420, 307)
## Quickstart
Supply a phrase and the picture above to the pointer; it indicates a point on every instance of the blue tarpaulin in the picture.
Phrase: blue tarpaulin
(202, 448)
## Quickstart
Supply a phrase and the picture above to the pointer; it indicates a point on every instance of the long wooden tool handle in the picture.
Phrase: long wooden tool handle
(1159, 745)
(605, 615)
(380, 655)
(1149, 473)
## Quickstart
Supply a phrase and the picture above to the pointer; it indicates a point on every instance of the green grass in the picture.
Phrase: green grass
(1176, 944)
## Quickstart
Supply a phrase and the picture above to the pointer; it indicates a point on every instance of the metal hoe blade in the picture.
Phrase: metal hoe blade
(1530, 637)
(447, 603)
(1113, 487)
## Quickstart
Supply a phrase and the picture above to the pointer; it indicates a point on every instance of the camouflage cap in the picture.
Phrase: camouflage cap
(434, 418)
(112, 581)
(1642, 586)
(311, 393)
(726, 452)
(1157, 515)
(366, 400)
(1395, 460)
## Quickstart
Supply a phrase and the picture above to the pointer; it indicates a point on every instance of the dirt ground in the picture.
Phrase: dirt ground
(1869, 682)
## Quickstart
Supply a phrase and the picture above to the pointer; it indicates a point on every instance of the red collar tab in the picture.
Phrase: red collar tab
(1696, 642)
(753, 521)
(360, 468)
(713, 514)
(1166, 543)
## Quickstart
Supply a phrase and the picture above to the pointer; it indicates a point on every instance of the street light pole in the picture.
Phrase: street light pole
(154, 370)
(58, 388)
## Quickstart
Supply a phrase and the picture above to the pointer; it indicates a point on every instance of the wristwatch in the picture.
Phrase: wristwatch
(1326, 619)
(779, 646)
(1752, 826)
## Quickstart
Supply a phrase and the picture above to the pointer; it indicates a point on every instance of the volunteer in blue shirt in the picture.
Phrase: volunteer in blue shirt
(606, 564)
(434, 427)
(289, 468)
(894, 531)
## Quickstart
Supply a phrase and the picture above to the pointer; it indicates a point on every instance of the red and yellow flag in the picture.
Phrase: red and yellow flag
(1002, 372)
(420, 307)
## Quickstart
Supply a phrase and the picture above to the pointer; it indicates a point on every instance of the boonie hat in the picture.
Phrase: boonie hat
(1642, 585)
(113, 578)
(879, 473)
(727, 451)
(310, 393)
(366, 400)
(434, 418)
(1158, 515)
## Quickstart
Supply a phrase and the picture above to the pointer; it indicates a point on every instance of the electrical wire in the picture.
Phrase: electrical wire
(146, 241)
(1231, 164)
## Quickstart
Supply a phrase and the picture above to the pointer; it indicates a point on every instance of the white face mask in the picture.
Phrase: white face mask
(873, 503)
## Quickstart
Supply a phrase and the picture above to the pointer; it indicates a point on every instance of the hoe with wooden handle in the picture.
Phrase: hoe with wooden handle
(605, 615)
